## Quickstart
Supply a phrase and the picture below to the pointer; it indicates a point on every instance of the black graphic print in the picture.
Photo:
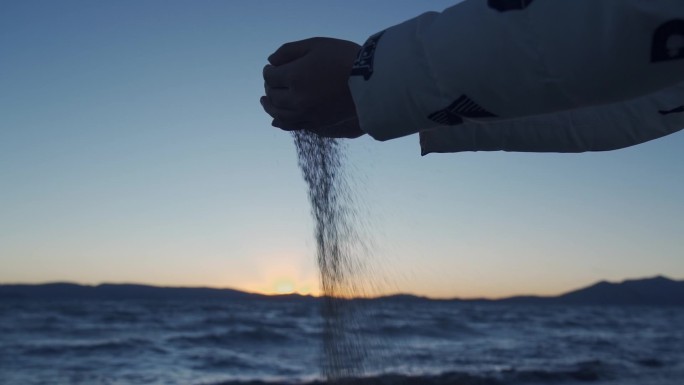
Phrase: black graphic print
(454, 113)
(672, 111)
(363, 66)
(508, 5)
(668, 41)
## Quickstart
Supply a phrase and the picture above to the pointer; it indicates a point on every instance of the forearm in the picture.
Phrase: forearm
(474, 62)
(601, 128)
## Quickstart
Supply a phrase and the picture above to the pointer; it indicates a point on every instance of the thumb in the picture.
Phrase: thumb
(289, 52)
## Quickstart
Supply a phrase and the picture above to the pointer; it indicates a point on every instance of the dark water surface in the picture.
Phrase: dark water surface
(223, 342)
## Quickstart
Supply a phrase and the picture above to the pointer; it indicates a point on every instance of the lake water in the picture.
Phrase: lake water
(229, 342)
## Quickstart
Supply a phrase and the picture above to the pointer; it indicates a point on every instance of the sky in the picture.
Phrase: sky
(133, 148)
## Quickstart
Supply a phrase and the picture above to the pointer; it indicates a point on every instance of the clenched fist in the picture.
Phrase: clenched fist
(306, 87)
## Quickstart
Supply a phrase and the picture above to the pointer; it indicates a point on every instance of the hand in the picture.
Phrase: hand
(306, 87)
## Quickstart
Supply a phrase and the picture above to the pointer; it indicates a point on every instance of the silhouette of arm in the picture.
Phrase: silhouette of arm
(526, 75)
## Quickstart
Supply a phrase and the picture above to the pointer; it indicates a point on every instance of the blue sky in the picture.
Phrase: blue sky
(133, 149)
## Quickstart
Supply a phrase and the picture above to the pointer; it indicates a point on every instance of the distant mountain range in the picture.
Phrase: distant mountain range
(656, 291)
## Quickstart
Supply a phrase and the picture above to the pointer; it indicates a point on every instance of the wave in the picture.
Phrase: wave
(385, 379)
(221, 362)
(589, 371)
(442, 329)
(104, 347)
(253, 335)
(583, 373)
(650, 363)
(125, 317)
(250, 321)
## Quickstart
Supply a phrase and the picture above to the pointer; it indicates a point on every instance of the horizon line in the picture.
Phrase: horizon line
(295, 293)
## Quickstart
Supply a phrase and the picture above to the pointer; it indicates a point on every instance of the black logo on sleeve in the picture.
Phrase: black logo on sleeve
(363, 66)
(508, 5)
(672, 111)
(454, 113)
(668, 41)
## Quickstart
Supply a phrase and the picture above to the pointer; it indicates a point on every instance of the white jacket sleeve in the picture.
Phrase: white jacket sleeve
(526, 75)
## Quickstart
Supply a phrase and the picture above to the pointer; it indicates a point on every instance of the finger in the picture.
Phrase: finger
(277, 113)
(275, 77)
(345, 129)
(289, 52)
(282, 98)
(289, 126)
(268, 88)
(277, 123)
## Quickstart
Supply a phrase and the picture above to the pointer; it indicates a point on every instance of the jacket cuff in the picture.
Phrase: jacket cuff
(391, 83)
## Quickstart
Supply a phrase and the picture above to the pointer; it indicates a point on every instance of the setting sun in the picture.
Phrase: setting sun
(284, 286)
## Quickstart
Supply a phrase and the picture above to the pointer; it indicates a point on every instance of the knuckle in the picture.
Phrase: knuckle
(287, 46)
(268, 72)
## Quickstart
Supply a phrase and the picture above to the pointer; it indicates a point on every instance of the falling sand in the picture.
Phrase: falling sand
(338, 249)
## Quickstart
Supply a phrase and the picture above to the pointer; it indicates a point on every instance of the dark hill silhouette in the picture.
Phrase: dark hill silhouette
(52, 291)
(656, 291)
